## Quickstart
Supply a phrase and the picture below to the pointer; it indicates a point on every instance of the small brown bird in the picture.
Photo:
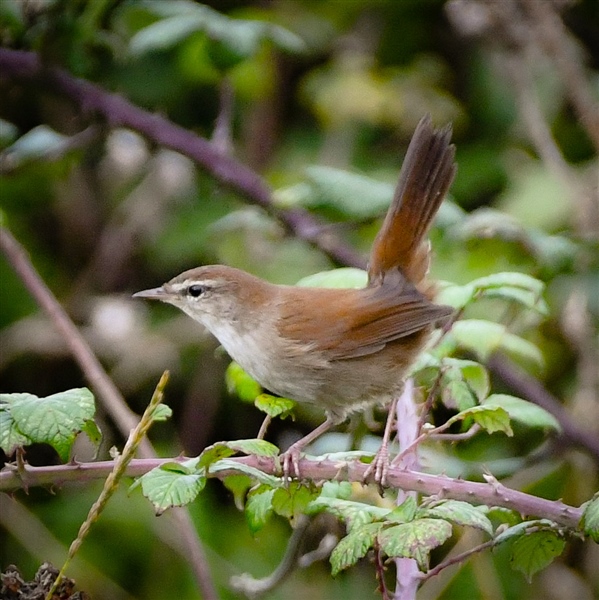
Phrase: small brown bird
(340, 349)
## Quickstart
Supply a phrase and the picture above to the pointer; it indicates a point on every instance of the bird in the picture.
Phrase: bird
(342, 350)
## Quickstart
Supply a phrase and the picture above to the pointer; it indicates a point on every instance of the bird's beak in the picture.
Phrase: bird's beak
(158, 293)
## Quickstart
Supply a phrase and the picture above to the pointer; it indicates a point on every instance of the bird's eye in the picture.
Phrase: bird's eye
(196, 290)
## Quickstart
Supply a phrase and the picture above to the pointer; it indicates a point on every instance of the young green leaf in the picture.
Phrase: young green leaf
(353, 513)
(172, 484)
(590, 519)
(490, 418)
(415, 539)
(227, 464)
(535, 551)
(221, 450)
(522, 528)
(405, 512)
(485, 337)
(274, 406)
(354, 546)
(240, 383)
(473, 373)
(259, 507)
(524, 412)
(458, 512)
(345, 277)
(293, 499)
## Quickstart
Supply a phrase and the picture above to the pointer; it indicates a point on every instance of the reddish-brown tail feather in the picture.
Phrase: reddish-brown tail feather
(426, 174)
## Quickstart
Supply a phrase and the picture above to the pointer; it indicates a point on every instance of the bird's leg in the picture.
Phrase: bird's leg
(292, 455)
(380, 464)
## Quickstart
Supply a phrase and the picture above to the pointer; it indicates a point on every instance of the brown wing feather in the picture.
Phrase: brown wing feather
(373, 317)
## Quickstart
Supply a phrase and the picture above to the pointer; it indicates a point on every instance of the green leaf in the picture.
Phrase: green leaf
(405, 512)
(533, 552)
(356, 196)
(226, 464)
(524, 412)
(238, 485)
(237, 38)
(521, 529)
(274, 406)
(458, 512)
(172, 484)
(54, 420)
(162, 412)
(354, 546)
(481, 337)
(473, 373)
(590, 519)
(522, 350)
(293, 499)
(259, 507)
(458, 296)
(490, 418)
(352, 513)
(240, 383)
(10, 436)
(456, 392)
(415, 539)
(221, 450)
(509, 279)
(484, 338)
(343, 278)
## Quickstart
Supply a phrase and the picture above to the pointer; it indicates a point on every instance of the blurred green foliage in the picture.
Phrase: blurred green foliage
(326, 97)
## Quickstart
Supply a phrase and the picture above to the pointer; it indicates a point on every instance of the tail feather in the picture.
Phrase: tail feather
(426, 175)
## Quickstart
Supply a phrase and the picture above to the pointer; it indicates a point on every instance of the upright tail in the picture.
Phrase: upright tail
(426, 174)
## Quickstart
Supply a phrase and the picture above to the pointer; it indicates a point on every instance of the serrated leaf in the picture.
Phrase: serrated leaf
(343, 278)
(227, 464)
(354, 546)
(533, 552)
(524, 412)
(521, 529)
(10, 436)
(590, 519)
(171, 484)
(405, 512)
(274, 406)
(352, 513)
(415, 539)
(221, 450)
(240, 383)
(490, 418)
(54, 420)
(293, 499)
(259, 507)
(460, 513)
